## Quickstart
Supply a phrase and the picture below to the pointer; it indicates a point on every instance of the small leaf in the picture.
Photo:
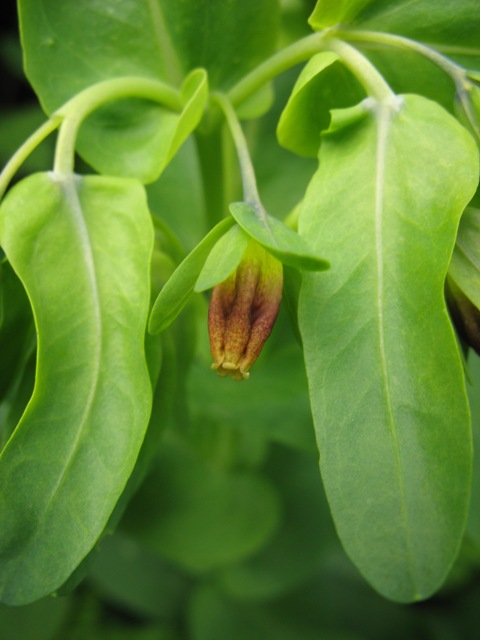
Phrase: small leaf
(135, 138)
(82, 250)
(276, 237)
(324, 83)
(223, 259)
(328, 13)
(176, 292)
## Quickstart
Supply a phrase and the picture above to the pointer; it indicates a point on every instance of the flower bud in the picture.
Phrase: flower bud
(243, 310)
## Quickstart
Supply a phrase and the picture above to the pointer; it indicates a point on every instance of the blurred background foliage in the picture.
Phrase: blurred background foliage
(228, 535)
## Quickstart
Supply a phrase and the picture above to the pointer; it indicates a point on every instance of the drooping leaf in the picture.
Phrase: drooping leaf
(176, 292)
(385, 377)
(223, 258)
(82, 250)
(279, 239)
(138, 139)
(323, 84)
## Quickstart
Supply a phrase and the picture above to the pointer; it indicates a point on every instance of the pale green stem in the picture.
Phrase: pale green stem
(249, 183)
(297, 52)
(25, 150)
(368, 76)
(78, 108)
(455, 71)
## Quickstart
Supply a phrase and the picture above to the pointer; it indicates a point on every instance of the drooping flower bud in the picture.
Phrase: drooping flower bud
(243, 310)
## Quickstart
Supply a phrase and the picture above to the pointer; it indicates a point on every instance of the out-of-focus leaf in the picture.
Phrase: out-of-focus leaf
(202, 517)
(130, 576)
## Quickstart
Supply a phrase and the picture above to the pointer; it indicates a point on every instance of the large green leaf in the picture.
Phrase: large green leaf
(385, 376)
(72, 45)
(82, 250)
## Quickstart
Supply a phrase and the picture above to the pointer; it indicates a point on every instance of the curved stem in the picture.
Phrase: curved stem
(249, 183)
(22, 153)
(290, 56)
(454, 70)
(368, 76)
(74, 112)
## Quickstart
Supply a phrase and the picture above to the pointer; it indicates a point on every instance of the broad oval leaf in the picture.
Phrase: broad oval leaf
(223, 259)
(324, 83)
(277, 238)
(135, 138)
(82, 250)
(178, 289)
(385, 376)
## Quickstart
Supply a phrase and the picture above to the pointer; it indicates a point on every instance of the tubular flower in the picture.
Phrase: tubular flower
(243, 310)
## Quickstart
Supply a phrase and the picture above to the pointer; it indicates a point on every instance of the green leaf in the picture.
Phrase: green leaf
(328, 13)
(298, 548)
(198, 516)
(441, 23)
(465, 264)
(133, 578)
(69, 49)
(223, 259)
(385, 376)
(82, 250)
(175, 294)
(279, 239)
(138, 139)
(323, 84)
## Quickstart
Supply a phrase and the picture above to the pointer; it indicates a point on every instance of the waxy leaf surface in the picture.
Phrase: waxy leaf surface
(82, 250)
(385, 377)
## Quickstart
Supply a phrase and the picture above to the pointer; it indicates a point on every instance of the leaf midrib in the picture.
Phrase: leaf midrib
(384, 117)
(68, 185)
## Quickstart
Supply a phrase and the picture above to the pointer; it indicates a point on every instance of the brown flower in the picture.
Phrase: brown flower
(243, 310)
